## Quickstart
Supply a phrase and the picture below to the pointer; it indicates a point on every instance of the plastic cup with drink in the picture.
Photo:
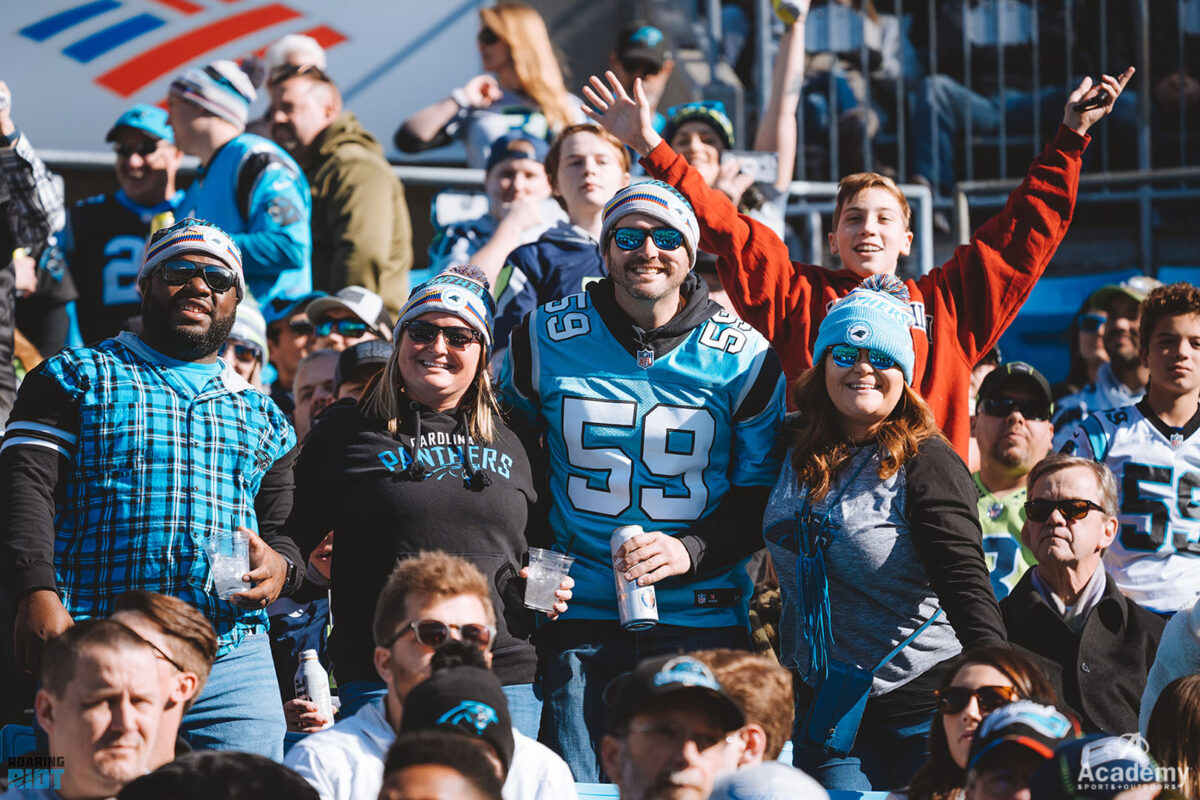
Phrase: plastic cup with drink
(546, 572)
(229, 559)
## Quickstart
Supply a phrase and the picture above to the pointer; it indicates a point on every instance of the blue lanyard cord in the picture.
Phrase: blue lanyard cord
(812, 580)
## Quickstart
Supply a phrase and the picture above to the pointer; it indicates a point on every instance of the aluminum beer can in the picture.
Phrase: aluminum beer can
(637, 604)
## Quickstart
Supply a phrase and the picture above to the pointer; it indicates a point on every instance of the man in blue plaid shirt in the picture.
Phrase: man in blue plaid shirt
(122, 459)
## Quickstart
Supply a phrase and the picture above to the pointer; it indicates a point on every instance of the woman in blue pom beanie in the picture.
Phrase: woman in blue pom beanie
(874, 533)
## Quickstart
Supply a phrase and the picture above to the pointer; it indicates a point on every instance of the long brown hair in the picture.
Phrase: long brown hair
(1174, 732)
(941, 776)
(821, 448)
(524, 31)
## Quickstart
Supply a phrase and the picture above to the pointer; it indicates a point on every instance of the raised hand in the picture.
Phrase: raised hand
(630, 119)
(1080, 121)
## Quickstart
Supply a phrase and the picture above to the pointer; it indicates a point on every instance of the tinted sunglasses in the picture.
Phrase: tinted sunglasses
(632, 238)
(1072, 510)
(301, 327)
(640, 66)
(142, 149)
(1091, 323)
(433, 633)
(219, 279)
(1003, 406)
(456, 336)
(349, 328)
(846, 355)
(487, 36)
(246, 353)
(953, 699)
(283, 73)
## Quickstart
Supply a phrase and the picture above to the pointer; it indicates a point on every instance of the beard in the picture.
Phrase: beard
(184, 343)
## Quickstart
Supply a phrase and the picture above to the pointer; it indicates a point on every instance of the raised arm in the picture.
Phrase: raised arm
(777, 129)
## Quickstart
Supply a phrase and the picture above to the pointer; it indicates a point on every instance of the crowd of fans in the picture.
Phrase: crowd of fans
(875, 555)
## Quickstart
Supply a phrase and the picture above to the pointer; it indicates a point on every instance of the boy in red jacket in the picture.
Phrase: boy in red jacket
(960, 309)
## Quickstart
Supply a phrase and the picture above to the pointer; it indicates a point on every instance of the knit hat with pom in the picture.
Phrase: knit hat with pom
(462, 290)
(875, 315)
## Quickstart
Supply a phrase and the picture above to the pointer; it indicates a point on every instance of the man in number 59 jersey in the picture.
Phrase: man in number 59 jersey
(658, 409)
(1154, 451)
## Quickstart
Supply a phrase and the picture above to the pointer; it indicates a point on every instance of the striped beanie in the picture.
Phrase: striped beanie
(875, 315)
(462, 290)
(220, 88)
(654, 199)
(191, 235)
(250, 326)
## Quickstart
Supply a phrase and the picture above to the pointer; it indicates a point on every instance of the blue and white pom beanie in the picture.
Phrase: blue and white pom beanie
(654, 199)
(462, 290)
(220, 88)
(875, 315)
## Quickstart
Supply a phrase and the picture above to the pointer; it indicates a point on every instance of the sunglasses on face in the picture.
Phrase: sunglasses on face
(1003, 406)
(1092, 323)
(433, 633)
(283, 73)
(639, 67)
(219, 279)
(847, 355)
(1072, 510)
(487, 36)
(953, 699)
(142, 149)
(245, 353)
(632, 238)
(347, 328)
(301, 327)
(456, 336)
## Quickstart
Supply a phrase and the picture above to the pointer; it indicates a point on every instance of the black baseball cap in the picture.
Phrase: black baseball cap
(371, 353)
(462, 699)
(669, 676)
(641, 41)
(1015, 372)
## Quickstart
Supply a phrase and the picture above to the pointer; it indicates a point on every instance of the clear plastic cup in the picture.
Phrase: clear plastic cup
(229, 559)
(546, 571)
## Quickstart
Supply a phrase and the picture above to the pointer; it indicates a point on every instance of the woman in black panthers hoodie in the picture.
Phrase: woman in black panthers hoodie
(423, 462)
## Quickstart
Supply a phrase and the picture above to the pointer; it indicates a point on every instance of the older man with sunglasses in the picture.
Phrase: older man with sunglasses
(428, 601)
(1095, 644)
(123, 459)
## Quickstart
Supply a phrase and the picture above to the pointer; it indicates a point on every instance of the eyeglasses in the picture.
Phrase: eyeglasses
(667, 735)
(1071, 509)
(301, 327)
(142, 148)
(847, 355)
(348, 328)
(632, 238)
(433, 633)
(487, 36)
(423, 332)
(954, 699)
(1092, 322)
(1003, 406)
(245, 353)
(219, 279)
(286, 71)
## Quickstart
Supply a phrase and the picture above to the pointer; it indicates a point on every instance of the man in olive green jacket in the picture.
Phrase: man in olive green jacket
(361, 231)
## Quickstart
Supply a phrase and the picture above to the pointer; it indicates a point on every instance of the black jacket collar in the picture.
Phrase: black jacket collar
(1024, 598)
(697, 310)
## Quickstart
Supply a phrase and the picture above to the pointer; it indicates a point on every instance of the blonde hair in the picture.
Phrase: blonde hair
(383, 398)
(430, 576)
(524, 31)
(851, 185)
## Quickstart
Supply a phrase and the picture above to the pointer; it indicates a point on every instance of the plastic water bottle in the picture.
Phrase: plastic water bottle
(312, 684)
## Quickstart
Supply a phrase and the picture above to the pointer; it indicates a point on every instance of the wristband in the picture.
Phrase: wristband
(460, 98)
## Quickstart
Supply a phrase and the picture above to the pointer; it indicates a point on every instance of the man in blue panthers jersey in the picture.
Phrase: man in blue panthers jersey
(658, 409)
(105, 235)
(246, 185)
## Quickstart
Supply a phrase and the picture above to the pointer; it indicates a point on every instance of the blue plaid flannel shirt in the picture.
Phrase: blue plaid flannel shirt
(157, 470)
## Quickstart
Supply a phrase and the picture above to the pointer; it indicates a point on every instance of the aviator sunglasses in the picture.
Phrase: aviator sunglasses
(632, 238)
(846, 355)
(423, 332)
(219, 279)
(433, 633)
(1071, 509)
(953, 699)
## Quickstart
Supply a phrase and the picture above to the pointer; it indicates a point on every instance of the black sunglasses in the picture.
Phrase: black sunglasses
(142, 149)
(301, 327)
(219, 279)
(953, 699)
(283, 73)
(246, 353)
(1003, 406)
(349, 328)
(1071, 509)
(487, 36)
(640, 66)
(433, 633)
(1091, 323)
(423, 332)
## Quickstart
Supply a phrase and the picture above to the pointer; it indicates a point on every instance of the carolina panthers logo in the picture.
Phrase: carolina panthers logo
(454, 298)
(470, 714)
(686, 671)
(858, 333)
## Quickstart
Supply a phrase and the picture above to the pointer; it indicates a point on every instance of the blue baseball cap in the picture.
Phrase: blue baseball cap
(147, 119)
(517, 144)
